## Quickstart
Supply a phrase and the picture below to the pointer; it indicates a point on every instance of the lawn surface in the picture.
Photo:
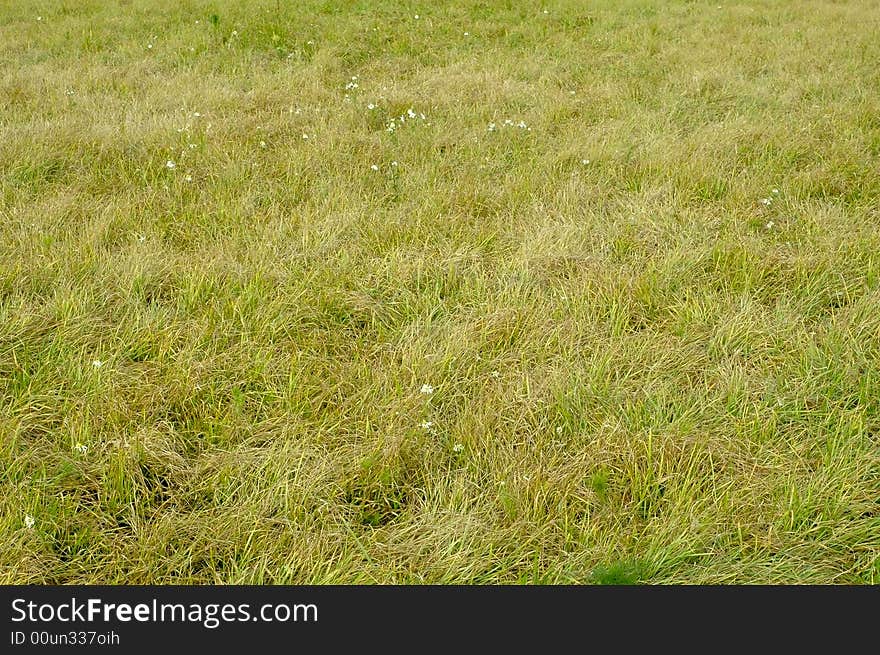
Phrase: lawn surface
(462, 292)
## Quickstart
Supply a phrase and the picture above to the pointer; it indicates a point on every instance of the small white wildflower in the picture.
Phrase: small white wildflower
(495, 374)
(775, 192)
(189, 178)
(770, 225)
(29, 521)
(97, 363)
(571, 93)
(427, 425)
(310, 42)
(558, 429)
(197, 114)
(491, 127)
(417, 16)
(766, 201)
(81, 448)
(170, 164)
(585, 161)
(234, 32)
(427, 389)
(422, 116)
(262, 144)
(546, 12)
(192, 146)
(70, 92)
(305, 137)
(149, 46)
(507, 121)
(467, 33)
(371, 106)
(394, 163)
(521, 125)
(142, 237)
(39, 18)
(373, 167)
(457, 448)
(410, 113)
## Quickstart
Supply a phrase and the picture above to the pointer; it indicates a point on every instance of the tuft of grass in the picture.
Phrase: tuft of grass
(317, 292)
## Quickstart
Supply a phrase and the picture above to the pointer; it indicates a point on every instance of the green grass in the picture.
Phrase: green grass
(641, 372)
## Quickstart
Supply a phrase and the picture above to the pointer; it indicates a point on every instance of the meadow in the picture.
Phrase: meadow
(457, 292)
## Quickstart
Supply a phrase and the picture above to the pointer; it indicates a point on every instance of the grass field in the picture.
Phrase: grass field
(470, 292)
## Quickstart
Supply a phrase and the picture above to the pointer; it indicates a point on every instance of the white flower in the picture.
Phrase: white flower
(775, 192)
(410, 113)
(39, 18)
(559, 429)
(374, 167)
(491, 127)
(149, 46)
(29, 521)
(427, 425)
(70, 92)
(394, 163)
(142, 237)
(189, 178)
(495, 374)
(467, 33)
(234, 32)
(371, 106)
(417, 16)
(170, 164)
(427, 389)
(81, 448)
(766, 201)
(305, 137)
(521, 125)
(262, 144)
(457, 448)
(585, 161)
(97, 363)
(770, 225)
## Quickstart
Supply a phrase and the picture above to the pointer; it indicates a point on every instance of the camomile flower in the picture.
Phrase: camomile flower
(81, 448)
(770, 225)
(170, 164)
(371, 106)
(457, 448)
(495, 374)
(97, 363)
(427, 425)
(766, 201)
(29, 521)
(585, 161)
(373, 167)
(427, 389)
